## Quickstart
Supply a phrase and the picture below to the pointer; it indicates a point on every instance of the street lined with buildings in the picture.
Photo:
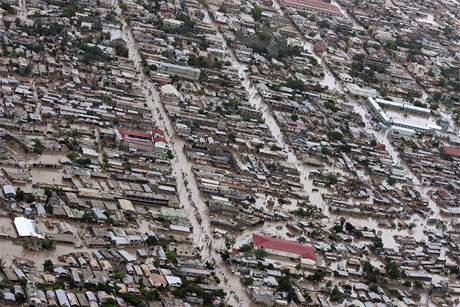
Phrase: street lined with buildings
(215, 153)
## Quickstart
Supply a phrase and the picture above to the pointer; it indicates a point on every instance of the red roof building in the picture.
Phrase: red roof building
(131, 134)
(160, 139)
(135, 139)
(126, 134)
(451, 151)
(380, 147)
(284, 247)
(158, 131)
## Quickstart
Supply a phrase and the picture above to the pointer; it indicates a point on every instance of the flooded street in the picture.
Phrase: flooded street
(257, 102)
(188, 192)
(447, 115)
(328, 80)
(204, 239)
(23, 12)
(429, 18)
(10, 251)
(389, 3)
(237, 154)
(382, 136)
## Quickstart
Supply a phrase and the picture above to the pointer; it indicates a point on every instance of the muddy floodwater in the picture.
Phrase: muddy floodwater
(10, 251)
(189, 194)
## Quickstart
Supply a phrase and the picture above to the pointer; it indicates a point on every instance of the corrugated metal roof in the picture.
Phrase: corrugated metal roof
(26, 227)
(305, 251)
(9, 189)
(62, 298)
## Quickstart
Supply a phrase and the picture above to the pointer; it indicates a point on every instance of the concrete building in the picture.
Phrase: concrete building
(28, 232)
(186, 72)
(284, 248)
(313, 6)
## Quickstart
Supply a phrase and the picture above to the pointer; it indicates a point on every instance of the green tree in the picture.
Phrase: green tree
(335, 135)
(391, 180)
(285, 285)
(257, 13)
(20, 298)
(378, 243)
(73, 155)
(369, 271)
(443, 82)
(171, 255)
(20, 194)
(47, 243)
(132, 299)
(87, 217)
(391, 45)
(337, 296)
(123, 5)
(110, 302)
(119, 275)
(151, 241)
(246, 247)
(49, 208)
(248, 281)
(150, 295)
(317, 276)
(373, 287)
(147, 69)
(121, 51)
(69, 10)
(392, 269)
(314, 61)
(48, 266)
(332, 178)
(29, 198)
(7, 7)
(260, 253)
(295, 84)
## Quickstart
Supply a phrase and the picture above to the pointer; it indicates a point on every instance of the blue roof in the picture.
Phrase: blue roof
(9, 189)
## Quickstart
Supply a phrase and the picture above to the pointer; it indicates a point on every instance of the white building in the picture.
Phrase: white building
(186, 72)
(356, 90)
